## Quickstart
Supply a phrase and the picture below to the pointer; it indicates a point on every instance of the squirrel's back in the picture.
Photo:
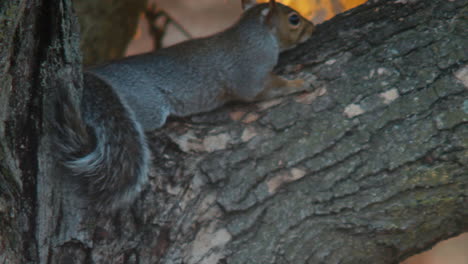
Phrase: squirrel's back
(185, 79)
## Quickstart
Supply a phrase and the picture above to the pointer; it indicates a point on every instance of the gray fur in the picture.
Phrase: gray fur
(103, 143)
(148, 85)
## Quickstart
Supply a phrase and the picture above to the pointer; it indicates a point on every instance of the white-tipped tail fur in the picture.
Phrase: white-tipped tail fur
(101, 145)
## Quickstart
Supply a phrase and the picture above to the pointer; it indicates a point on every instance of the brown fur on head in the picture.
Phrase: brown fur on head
(288, 25)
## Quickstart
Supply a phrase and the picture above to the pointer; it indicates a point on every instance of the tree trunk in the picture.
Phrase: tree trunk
(107, 27)
(369, 168)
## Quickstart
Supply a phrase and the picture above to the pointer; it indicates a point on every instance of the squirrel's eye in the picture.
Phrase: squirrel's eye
(294, 19)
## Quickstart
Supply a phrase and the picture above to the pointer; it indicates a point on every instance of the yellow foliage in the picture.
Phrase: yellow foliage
(319, 10)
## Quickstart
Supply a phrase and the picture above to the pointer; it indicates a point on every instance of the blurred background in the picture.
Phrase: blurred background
(205, 17)
(115, 28)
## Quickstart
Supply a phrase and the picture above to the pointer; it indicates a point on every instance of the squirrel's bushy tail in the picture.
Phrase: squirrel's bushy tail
(101, 145)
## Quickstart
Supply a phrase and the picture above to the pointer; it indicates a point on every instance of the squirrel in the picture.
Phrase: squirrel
(102, 142)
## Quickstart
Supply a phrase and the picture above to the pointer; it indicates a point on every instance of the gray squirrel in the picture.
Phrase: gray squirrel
(102, 142)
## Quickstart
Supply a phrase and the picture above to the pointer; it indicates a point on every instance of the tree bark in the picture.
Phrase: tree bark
(371, 167)
(107, 27)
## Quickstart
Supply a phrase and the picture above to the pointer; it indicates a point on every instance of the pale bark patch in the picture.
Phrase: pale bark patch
(216, 142)
(462, 75)
(284, 177)
(250, 117)
(389, 96)
(248, 134)
(308, 98)
(237, 115)
(206, 240)
(188, 142)
(270, 103)
(353, 110)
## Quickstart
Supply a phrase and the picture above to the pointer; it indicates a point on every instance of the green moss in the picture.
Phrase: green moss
(433, 198)
(450, 119)
(8, 20)
(431, 176)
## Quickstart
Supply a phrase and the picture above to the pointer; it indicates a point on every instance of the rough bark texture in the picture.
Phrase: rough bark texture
(369, 168)
(19, 130)
(39, 48)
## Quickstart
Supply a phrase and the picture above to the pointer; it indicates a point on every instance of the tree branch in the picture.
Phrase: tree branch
(369, 168)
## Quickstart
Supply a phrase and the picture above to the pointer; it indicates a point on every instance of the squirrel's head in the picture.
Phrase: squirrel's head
(289, 27)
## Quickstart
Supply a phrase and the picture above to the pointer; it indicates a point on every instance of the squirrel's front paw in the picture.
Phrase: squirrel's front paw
(299, 85)
(279, 86)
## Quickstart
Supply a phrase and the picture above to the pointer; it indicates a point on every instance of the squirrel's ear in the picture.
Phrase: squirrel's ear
(247, 4)
(272, 4)
(269, 12)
